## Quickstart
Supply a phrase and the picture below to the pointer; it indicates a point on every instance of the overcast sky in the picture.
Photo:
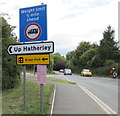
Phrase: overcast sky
(69, 21)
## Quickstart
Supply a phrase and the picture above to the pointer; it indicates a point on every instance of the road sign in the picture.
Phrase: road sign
(33, 23)
(33, 31)
(33, 59)
(32, 48)
(41, 74)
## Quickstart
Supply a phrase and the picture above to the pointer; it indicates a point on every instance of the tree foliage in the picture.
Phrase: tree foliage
(100, 58)
(10, 71)
(59, 61)
(108, 48)
(51, 65)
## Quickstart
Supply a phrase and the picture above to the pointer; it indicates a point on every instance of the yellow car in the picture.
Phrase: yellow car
(86, 72)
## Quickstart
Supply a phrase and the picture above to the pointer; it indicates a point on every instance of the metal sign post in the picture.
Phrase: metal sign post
(42, 98)
(41, 73)
(24, 85)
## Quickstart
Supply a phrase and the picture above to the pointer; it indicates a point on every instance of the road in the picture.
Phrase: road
(104, 91)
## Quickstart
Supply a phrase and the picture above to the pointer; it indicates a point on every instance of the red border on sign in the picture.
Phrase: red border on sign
(38, 34)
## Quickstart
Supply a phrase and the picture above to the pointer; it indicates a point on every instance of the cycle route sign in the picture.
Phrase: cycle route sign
(33, 59)
(33, 23)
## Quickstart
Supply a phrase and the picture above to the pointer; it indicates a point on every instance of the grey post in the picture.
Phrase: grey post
(42, 98)
(24, 81)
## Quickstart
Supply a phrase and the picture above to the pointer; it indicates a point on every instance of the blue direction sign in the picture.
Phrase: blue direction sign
(33, 24)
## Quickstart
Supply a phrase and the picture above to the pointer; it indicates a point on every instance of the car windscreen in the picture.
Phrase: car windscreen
(67, 70)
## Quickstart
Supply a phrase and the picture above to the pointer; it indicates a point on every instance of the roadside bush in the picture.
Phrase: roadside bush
(104, 71)
(10, 71)
(111, 63)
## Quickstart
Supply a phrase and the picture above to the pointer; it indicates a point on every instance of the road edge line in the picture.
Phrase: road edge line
(69, 80)
(66, 78)
(105, 107)
(53, 101)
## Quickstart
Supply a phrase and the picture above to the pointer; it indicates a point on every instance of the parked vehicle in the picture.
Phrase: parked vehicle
(86, 72)
(67, 72)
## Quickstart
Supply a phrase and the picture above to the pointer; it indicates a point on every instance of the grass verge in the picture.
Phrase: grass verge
(53, 79)
(59, 80)
(13, 99)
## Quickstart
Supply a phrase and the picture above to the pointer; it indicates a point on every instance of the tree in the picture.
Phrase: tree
(10, 71)
(69, 55)
(81, 49)
(51, 65)
(69, 58)
(108, 46)
(75, 59)
(86, 58)
(59, 61)
(96, 57)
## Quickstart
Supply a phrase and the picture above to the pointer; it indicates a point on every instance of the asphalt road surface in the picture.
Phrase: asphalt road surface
(104, 91)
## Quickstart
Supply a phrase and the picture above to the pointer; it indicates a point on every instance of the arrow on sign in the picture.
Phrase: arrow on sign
(44, 59)
(10, 49)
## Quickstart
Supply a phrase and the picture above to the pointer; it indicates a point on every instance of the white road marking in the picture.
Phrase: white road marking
(67, 78)
(53, 101)
(105, 107)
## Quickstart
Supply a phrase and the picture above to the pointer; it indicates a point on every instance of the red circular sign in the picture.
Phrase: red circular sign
(33, 31)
